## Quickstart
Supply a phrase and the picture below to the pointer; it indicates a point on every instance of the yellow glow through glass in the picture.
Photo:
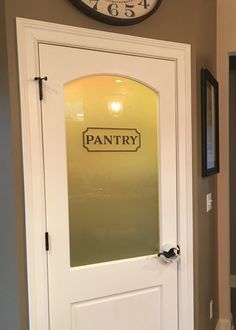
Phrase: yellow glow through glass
(112, 160)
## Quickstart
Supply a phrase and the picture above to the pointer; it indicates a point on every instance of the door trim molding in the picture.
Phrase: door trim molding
(29, 34)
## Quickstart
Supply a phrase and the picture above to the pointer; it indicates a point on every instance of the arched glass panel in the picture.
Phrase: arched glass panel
(112, 155)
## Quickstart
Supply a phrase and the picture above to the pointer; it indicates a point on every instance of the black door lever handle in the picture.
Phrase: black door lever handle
(171, 255)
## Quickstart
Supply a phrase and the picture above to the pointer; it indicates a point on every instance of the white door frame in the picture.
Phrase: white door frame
(29, 34)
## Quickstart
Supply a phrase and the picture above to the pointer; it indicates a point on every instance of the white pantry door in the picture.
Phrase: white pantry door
(109, 140)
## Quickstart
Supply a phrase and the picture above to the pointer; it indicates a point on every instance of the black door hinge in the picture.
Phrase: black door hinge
(46, 241)
(40, 80)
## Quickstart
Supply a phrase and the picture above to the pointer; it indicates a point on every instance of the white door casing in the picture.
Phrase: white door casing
(30, 35)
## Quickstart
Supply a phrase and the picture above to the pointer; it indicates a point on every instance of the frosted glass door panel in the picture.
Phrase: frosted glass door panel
(112, 156)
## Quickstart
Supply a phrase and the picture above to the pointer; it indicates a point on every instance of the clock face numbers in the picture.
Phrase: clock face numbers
(124, 9)
(118, 12)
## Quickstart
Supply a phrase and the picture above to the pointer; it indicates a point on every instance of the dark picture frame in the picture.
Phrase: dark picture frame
(210, 123)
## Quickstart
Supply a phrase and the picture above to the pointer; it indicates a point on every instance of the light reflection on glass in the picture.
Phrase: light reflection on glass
(116, 106)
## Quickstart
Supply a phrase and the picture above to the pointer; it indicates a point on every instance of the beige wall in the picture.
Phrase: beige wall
(187, 21)
(226, 44)
(9, 295)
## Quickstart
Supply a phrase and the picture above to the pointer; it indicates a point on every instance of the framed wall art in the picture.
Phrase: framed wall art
(210, 123)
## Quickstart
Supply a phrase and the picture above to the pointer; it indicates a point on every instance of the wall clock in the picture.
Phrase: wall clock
(118, 12)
